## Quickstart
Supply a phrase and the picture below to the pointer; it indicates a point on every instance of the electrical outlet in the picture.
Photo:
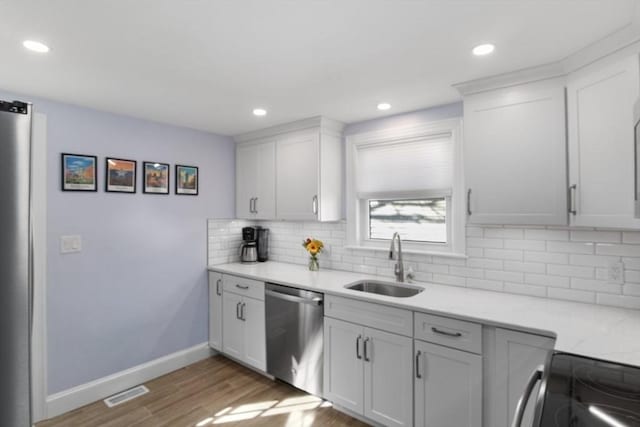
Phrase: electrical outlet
(616, 273)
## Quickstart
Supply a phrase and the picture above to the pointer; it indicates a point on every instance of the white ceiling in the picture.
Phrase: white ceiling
(206, 64)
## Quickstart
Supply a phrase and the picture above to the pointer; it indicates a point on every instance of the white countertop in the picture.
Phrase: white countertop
(591, 330)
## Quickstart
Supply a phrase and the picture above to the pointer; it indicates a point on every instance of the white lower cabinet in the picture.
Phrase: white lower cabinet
(243, 329)
(517, 355)
(215, 310)
(448, 387)
(367, 372)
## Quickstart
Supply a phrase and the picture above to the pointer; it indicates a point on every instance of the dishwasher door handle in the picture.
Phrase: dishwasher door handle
(293, 298)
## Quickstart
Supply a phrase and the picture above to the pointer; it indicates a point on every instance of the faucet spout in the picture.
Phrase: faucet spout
(399, 267)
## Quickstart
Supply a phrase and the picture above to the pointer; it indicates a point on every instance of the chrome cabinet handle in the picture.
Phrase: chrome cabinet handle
(242, 306)
(251, 205)
(572, 199)
(418, 374)
(245, 287)
(366, 352)
(238, 311)
(522, 403)
(358, 355)
(449, 334)
(469, 202)
(314, 205)
(218, 283)
(255, 205)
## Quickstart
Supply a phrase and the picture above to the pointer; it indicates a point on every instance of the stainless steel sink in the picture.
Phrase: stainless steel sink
(399, 290)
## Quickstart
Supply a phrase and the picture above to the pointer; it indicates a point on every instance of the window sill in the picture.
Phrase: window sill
(410, 251)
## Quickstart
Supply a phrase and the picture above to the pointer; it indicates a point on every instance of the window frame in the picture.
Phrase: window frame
(357, 204)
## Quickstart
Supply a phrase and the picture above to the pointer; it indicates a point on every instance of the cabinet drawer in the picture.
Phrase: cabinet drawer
(453, 333)
(242, 286)
(373, 315)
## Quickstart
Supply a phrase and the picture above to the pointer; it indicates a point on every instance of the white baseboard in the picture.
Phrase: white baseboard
(81, 395)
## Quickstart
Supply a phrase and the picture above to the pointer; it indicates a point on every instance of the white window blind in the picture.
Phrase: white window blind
(419, 164)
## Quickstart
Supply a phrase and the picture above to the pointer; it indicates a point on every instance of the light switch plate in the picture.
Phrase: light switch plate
(70, 244)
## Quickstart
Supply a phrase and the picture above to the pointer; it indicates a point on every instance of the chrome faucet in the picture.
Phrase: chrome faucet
(398, 269)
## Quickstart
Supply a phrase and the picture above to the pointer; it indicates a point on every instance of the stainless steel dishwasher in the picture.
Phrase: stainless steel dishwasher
(295, 336)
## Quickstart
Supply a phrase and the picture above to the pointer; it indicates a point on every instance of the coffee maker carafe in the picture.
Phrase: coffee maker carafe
(249, 245)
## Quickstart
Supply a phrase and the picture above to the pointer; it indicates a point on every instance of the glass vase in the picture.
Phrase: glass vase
(313, 264)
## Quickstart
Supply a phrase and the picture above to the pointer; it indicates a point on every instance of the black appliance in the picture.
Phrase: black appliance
(255, 245)
(263, 244)
(578, 391)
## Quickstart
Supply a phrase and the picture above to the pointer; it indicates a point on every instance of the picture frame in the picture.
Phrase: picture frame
(78, 172)
(155, 177)
(120, 175)
(187, 178)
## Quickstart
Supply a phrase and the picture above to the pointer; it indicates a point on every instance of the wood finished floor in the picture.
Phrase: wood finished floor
(215, 391)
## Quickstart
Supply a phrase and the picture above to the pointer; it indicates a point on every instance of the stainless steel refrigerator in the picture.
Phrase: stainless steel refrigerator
(15, 263)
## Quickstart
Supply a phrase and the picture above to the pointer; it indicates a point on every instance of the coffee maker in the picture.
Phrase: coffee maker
(255, 244)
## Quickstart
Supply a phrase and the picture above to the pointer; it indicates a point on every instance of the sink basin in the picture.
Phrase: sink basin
(399, 290)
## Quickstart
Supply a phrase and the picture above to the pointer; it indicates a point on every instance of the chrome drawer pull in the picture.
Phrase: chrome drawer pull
(449, 334)
(245, 287)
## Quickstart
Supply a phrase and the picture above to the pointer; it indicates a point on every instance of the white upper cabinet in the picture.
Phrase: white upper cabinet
(601, 144)
(255, 180)
(515, 154)
(299, 171)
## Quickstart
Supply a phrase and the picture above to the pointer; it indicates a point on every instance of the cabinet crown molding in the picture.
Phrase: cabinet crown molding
(323, 124)
(624, 41)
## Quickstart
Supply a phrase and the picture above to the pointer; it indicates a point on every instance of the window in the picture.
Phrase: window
(417, 220)
(407, 181)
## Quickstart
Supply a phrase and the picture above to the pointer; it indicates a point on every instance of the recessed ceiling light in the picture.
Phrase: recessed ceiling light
(35, 46)
(384, 106)
(259, 112)
(483, 49)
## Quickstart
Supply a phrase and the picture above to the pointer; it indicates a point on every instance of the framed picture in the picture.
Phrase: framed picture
(155, 178)
(79, 172)
(187, 180)
(120, 176)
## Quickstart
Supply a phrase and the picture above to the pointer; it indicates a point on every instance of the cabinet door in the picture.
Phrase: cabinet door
(215, 310)
(297, 162)
(515, 154)
(448, 387)
(265, 202)
(255, 350)
(601, 144)
(388, 379)
(517, 356)
(343, 370)
(246, 178)
(255, 180)
(232, 326)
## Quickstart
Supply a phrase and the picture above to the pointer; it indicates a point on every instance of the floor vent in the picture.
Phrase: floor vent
(125, 396)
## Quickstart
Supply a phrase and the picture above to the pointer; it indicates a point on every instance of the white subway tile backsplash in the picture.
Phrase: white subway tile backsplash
(508, 254)
(595, 285)
(622, 250)
(552, 262)
(570, 247)
(531, 245)
(525, 267)
(545, 280)
(546, 234)
(571, 271)
(596, 236)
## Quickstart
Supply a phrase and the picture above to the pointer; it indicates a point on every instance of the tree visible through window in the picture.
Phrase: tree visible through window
(421, 220)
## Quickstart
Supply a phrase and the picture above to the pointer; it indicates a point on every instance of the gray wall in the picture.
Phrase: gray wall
(138, 289)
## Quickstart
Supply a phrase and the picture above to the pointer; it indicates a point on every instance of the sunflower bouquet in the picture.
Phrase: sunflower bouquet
(314, 247)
